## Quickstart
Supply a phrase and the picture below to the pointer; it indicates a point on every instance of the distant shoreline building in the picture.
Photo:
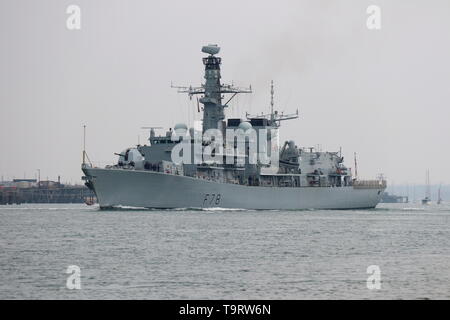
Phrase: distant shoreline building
(20, 191)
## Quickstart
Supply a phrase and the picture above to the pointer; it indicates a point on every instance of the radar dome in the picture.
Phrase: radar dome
(245, 126)
(180, 128)
(211, 49)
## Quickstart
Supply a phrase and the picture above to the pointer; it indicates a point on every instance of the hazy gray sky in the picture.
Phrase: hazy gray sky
(383, 94)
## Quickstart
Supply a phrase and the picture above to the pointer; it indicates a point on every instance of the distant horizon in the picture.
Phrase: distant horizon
(417, 192)
(389, 188)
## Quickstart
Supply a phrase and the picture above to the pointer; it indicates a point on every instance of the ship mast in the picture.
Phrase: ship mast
(271, 101)
(84, 144)
(85, 155)
(274, 117)
(439, 195)
(212, 90)
(428, 191)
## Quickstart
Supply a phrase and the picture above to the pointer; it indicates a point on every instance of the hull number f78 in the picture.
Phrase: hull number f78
(211, 199)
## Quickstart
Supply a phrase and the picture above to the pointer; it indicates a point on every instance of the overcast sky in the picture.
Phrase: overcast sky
(381, 93)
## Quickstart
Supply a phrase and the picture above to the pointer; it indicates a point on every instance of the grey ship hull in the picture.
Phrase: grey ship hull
(148, 189)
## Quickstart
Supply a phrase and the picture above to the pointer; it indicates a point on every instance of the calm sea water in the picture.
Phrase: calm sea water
(223, 254)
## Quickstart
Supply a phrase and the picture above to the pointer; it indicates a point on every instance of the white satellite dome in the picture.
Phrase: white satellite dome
(179, 126)
(180, 129)
(245, 126)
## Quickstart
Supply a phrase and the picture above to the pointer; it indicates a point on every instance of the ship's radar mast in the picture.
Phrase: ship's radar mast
(271, 96)
(274, 117)
(212, 90)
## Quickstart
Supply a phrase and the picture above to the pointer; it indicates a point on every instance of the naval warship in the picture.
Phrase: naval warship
(249, 169)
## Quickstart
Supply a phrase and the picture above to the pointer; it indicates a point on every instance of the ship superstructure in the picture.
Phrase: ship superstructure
(250, 170)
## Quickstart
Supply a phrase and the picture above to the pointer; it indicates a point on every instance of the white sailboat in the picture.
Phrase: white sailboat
(427, 198)
(439, 200)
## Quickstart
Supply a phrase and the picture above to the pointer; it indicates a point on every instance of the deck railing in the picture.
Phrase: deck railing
(369, 184)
